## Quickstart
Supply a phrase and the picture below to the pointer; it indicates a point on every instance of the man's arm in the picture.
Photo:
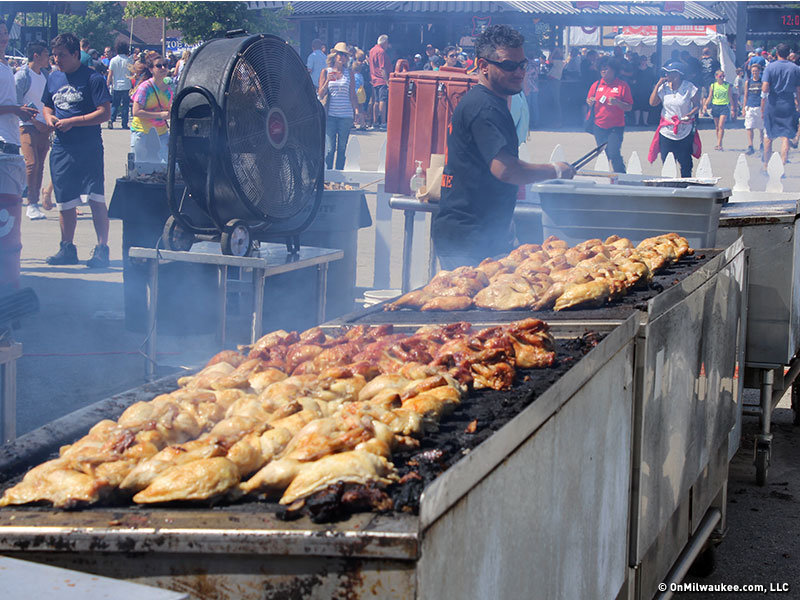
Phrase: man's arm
(96, 117)
(764, 94)
(510, 169)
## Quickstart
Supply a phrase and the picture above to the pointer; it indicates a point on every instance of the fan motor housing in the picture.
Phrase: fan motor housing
(247, 121)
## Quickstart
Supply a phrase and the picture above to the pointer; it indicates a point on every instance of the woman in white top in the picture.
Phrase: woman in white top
(337, 85)
(680, 101)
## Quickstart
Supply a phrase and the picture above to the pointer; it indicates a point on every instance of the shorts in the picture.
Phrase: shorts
(380, 93)
(77, 171)
(753, 119)
(720, 110)
(12, 174)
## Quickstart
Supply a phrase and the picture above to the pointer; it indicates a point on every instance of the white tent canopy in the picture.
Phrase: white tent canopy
(725, 54)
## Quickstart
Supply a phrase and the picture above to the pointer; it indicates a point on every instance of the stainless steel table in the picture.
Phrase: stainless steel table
(410, 206)
(272, 259)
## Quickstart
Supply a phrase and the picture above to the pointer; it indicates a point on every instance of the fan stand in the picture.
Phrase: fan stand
(293, 245)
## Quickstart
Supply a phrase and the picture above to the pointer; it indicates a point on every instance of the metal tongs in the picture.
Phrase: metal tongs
(588, 157)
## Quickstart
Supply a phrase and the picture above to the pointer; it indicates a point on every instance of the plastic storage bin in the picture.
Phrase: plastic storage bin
(576, 211)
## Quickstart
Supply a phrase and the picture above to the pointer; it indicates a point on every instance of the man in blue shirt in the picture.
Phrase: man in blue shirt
(76, 101)
(316, 61)
(780, 100)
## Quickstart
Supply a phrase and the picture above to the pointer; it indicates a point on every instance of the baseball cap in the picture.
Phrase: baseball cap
(675, 66)
(418, 56)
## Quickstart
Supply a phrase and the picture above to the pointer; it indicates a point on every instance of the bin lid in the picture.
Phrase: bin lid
(562, 186)
(739, 214)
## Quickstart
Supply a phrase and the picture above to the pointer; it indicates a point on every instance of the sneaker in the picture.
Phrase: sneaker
(99, 257)
(66, 255)
(750, 151)
(110, 125)
(33, 212)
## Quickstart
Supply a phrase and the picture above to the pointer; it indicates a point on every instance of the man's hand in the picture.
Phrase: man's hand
(51, 120)
(64, 124)
(26, 113)
(567, 170)
(590, 101)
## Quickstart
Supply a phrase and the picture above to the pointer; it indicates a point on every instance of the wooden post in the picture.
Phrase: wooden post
(163, 37)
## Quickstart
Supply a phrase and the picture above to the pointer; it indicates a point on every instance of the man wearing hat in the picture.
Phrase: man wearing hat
(418, 63)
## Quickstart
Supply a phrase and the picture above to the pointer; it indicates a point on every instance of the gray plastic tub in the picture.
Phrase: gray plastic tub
(581, 210)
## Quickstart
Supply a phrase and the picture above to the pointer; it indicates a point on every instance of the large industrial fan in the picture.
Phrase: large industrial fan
(248, 134)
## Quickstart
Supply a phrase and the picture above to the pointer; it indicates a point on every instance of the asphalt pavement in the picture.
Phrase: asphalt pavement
(77, 350)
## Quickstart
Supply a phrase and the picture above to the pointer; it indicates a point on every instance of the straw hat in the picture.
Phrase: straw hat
(341, 47)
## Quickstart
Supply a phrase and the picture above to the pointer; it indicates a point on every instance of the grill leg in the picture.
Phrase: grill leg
(152, 307)
(322, 291)
(8, 396)
(408, 243)
(763, 443)
(258, 304)
(222, 288)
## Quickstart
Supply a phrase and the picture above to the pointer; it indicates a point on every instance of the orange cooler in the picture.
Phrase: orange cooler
(421, 104)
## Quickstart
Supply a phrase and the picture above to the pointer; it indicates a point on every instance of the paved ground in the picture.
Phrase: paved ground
(77, 351)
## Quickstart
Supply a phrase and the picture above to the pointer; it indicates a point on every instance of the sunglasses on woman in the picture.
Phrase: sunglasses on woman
(160, 66)
(509, 66)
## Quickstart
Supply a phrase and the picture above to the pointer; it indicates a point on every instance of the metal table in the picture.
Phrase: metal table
(272, 259)
(771, 229)
(411, 206)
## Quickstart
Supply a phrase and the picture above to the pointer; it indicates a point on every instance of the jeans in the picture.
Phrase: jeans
(337, 131)
(150, 147)
(681, 149)
(613, 138)
(120, 101)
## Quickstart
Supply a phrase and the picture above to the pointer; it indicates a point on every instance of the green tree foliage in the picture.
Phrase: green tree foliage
(200, 21)
(98, 25)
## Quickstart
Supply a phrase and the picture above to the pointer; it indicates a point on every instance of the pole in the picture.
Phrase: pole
(163, 37)
(130, 41)
(659, 47)
(741, 33)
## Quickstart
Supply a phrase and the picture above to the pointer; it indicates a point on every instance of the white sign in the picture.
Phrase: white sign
(177, 45)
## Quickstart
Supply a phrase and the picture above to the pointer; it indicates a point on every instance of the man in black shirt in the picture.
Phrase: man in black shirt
(482, 171)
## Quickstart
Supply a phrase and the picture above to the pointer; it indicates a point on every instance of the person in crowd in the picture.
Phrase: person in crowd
(723, 103)
(625, 67)
(152, 101)
(139, 73)
(107, 56)
(644, 78)
(337, 85)
(694, 69)
(185, 56)
(97, 64)
(119, 80)
(751, 109)
(417, 63)
(483, 171)
(708, 68)
(34, 133)
(680, 100)
(76, 101)
(12, 171)
(361, 94)
(451, 57)
(780, 91)
(611, 98)
(556, 63)
(86, 59)
(316, 61)
(589, 70)
(379, 73)
(531, 89)
(430, 53)
(739, 83)
(572, 70)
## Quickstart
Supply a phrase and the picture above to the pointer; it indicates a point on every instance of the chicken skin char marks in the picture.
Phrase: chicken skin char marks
(241, 425)
(549, 276)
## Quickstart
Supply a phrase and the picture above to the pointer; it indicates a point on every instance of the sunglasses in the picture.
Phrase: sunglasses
(160, 66)
(509, 66)
(452, 55)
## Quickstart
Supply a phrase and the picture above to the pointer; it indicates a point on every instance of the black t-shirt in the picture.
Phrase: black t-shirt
(74, 94)
(476, 207)
(708, 67)
(754, 92)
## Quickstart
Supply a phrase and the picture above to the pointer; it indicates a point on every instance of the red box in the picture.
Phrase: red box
(421, 104)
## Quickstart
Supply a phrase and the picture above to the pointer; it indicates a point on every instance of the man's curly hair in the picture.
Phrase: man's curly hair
(494, 37)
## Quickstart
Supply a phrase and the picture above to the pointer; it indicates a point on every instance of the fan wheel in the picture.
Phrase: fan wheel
(175, 237)
(235, 239)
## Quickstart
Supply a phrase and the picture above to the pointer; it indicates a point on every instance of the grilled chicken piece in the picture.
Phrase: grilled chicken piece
(271, 340)
(231, 357)
(554, 246)
(146, 472)
(55, 483)
(447, 303)
(413, 299)
(506, 292)
(203, 479)
(594, 293)
(491, 267)
(355, 466)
